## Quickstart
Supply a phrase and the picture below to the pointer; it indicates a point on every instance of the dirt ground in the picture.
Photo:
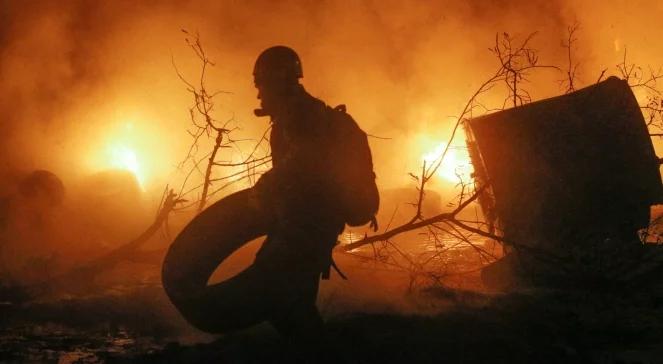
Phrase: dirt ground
(134, 323)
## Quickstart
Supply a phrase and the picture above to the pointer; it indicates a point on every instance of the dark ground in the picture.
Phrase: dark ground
(138, 325)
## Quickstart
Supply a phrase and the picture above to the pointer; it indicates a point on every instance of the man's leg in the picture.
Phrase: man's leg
(298, 320)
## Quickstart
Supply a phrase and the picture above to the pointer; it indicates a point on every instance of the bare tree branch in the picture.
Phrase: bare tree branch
(204, 127)
(571, 67)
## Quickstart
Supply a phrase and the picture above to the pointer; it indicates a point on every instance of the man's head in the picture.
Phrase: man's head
(276, 74)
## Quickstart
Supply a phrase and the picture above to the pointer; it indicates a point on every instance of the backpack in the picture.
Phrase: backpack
(351, 167)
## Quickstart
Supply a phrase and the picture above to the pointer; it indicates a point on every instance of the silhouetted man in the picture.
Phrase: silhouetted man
(306, 221)
(295, 203)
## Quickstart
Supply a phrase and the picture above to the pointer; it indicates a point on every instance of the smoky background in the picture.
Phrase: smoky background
(75, 76)
(72, 70)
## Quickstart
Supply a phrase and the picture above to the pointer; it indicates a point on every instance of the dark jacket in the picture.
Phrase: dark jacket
(298, 187)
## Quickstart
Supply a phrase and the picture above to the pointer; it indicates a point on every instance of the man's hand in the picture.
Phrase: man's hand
(374, 224)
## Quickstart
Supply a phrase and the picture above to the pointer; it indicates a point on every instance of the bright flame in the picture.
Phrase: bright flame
(455, 166)
(125, 146)
(123, 157)
(434, 155)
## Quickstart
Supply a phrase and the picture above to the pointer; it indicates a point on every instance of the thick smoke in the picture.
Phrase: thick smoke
(76, 74)
(71, 69)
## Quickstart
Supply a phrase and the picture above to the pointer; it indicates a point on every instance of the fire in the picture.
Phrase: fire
(431, 157)
(456, 165)
(129, 146)
(122, 157)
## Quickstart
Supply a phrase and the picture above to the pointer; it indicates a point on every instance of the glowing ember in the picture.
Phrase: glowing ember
(618, 45)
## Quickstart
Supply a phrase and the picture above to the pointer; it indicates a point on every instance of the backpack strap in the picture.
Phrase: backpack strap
(330, 263)
(374, 224)
(327, 270)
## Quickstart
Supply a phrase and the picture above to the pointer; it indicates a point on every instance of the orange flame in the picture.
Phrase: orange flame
(455, 167)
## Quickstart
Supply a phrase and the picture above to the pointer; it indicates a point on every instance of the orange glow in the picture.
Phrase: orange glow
(455, 167)
(120, 152)
(122, 157)
(129, 146)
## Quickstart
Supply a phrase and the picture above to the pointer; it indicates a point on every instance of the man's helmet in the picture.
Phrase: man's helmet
(278, 63)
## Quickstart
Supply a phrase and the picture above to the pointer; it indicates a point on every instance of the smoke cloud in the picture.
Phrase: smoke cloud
(72, 71)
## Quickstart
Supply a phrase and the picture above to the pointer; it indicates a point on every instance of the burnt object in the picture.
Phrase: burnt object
(577, 169)
(43, 184)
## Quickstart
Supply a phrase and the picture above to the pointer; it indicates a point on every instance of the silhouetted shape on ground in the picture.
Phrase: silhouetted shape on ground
(28, 218)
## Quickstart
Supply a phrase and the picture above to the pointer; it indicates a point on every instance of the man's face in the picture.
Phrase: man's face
(267, 98)
(271, 94)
